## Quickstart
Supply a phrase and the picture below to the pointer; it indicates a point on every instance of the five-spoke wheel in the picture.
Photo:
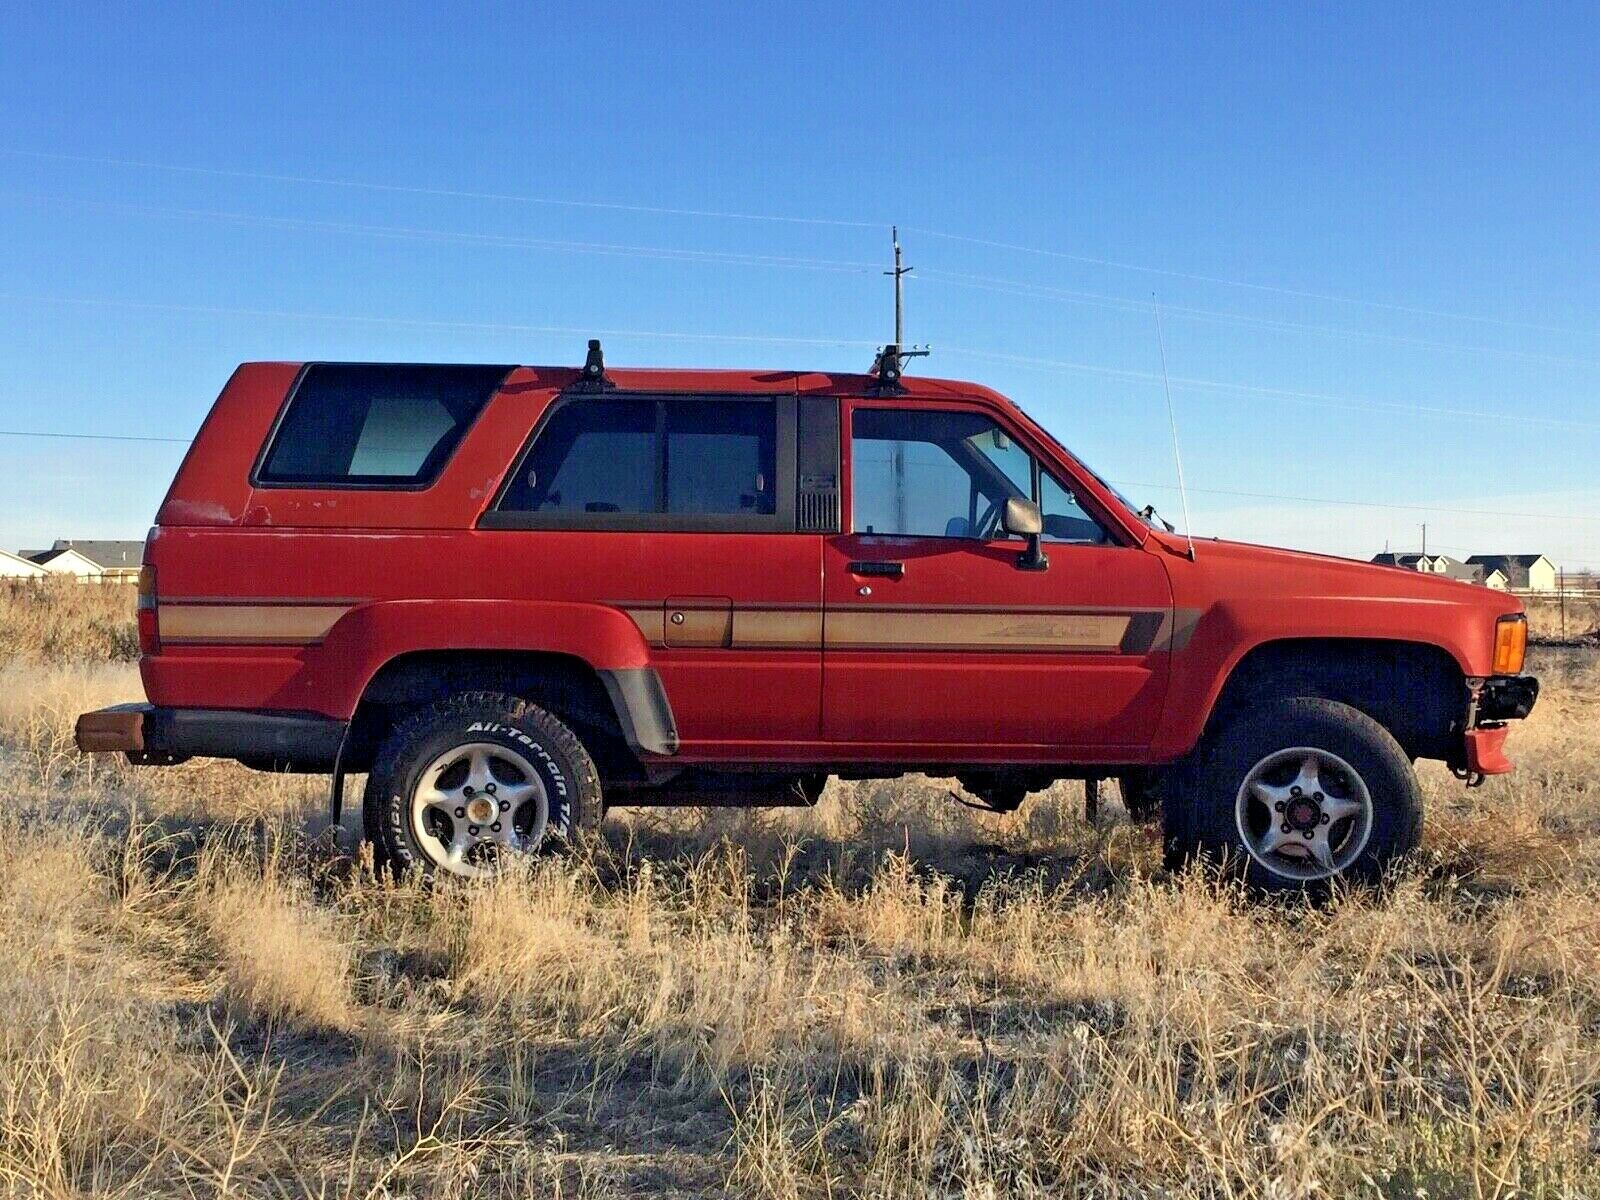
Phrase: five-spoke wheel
(1304, 813)
(478, 801)
(469, 784)
(1294, 794)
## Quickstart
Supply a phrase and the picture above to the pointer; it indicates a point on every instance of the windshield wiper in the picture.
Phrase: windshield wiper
(1149, 515)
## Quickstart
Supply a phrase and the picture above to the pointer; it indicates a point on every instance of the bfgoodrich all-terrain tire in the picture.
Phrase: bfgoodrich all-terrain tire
(1296, 794)
(467, 784)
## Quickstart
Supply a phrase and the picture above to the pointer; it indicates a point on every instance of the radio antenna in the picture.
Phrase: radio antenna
(1172, 421)
(890, 363)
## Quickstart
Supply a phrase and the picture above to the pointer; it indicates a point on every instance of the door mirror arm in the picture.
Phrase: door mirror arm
(1021, 518)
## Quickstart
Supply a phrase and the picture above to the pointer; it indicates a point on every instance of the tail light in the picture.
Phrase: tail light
(149, 619)
(1510, 643)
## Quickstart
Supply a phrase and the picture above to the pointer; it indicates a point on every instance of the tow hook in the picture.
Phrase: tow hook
(1470, 777)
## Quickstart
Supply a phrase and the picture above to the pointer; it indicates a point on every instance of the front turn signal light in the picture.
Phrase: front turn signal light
(1510, 643)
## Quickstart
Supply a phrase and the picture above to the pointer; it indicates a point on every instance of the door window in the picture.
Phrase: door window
(934, 473)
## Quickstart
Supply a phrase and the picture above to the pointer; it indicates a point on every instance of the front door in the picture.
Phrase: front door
(933, 635)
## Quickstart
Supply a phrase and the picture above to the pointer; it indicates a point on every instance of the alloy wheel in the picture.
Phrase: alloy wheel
(475, 805)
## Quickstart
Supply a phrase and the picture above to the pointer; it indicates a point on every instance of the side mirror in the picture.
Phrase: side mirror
(1021, 518)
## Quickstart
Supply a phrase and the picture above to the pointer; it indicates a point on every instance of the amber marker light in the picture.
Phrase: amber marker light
(1510, 643)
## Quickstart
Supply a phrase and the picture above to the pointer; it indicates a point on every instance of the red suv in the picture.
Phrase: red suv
(515, 595)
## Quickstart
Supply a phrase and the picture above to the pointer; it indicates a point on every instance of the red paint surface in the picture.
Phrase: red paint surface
(420, 576)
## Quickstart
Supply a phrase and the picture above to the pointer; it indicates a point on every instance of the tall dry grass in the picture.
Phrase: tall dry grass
(60, 620)
(889, 996)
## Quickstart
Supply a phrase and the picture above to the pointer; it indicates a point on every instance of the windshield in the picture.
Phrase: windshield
(1145, 513)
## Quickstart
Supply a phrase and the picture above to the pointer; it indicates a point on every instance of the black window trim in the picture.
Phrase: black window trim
(365, 483)
(782, 520)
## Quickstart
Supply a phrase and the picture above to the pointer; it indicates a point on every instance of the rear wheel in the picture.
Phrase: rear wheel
(1296, 794)
(474, 782)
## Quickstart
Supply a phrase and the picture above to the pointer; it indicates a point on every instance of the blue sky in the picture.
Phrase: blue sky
(1364, 226)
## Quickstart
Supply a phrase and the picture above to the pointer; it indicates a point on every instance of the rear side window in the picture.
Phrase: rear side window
(353, 425)
(652, 458)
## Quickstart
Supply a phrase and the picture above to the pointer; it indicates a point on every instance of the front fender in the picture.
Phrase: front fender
(1227, 632)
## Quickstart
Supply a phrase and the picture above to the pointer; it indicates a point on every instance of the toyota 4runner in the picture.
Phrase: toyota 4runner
(513, 596)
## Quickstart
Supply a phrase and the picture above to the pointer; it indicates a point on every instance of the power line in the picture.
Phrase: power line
(1313, 399)
(993, 284)
(1327, 297)
(426, 323)
(453, 193)
(1426, 508)
(496, 240)
(721, 214)
(1040, 291)
(91, 437)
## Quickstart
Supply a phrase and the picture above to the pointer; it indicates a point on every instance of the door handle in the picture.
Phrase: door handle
(888, 569)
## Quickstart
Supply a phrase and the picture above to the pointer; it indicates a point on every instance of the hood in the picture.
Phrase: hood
(1275, 571)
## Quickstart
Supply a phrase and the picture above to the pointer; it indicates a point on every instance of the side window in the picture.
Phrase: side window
(592, 457)
(721, 457)
(913, 473)
(932, 473)
(651, 458)
(355, 425)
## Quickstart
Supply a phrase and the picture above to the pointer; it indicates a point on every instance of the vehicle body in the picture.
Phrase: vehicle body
(729, 585)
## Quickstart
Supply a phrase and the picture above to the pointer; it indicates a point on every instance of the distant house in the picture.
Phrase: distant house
(15, 566)
(67, 562)
(1496, 579)
(1523, 572)
(1433, 564)
(1411, 562)
(94, 561)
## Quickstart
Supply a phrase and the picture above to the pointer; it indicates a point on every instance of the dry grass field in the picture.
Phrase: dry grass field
(206, 993)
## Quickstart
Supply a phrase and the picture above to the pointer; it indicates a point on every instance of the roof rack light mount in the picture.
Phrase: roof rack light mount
(593, 377)
(890, 365)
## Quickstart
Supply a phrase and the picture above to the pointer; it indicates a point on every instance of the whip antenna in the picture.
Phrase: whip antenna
(1172, 421)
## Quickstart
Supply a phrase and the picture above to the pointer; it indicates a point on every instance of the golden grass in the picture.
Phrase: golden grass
(1554, 618)
(885, 996)
(61, 620)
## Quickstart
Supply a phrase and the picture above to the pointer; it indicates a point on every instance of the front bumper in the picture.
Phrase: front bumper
(1500, 698)
(1507, 698)
(152, 735)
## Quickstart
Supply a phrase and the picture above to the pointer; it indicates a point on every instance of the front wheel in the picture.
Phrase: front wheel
(474, 782)
(1298, 793)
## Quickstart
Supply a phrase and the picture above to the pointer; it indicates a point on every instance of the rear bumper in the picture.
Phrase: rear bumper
(153, 735)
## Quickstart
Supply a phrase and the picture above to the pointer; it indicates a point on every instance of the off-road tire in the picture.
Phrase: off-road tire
(1199, 814)
(571, 782)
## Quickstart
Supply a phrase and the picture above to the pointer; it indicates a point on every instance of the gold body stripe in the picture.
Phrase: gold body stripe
(249, 624)
(900, 628)
(999, 630)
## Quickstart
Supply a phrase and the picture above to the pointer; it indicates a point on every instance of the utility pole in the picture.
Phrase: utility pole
(890, 362)
(899, 274)
(1424, 539)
